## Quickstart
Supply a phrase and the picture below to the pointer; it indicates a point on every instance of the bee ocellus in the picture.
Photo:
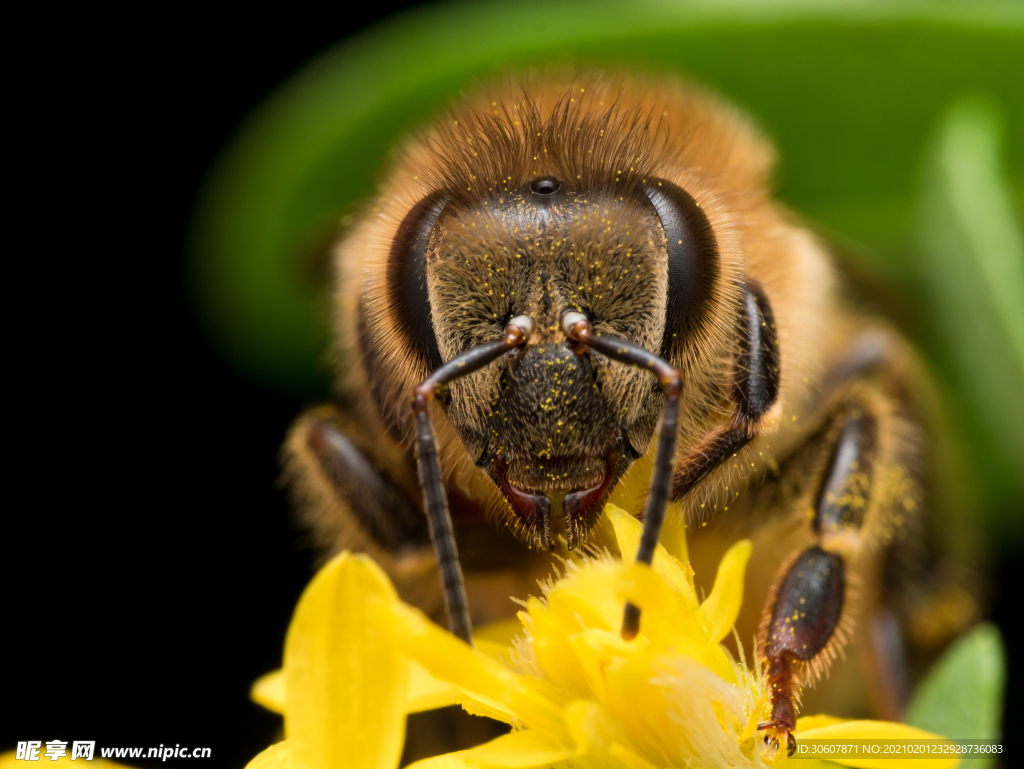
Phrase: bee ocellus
(575, 289)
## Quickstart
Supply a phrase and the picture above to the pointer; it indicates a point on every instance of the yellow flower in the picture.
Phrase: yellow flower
(9, 760)
(357, 660)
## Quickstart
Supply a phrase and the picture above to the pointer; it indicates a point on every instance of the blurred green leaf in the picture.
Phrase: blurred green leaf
(971, 264)
(962, 696)
(848, 89)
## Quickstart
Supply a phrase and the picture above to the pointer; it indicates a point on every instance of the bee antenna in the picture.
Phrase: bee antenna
(517, 332)
(576, 326)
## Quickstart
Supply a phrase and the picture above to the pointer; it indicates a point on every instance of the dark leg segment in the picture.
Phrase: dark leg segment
(805, 613)
(755, 388)
(379, 507)
(717, 446)
(434, 498)
(801, 626)
(846, 491)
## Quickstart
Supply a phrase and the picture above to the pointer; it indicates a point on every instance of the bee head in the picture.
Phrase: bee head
(538, 211)
(553, 419)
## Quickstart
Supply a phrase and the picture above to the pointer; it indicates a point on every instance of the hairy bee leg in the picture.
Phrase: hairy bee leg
(657, 499)
(378, 506)
(576, 326)
(755, 388)
(801, 629)
(803, 617)
(517, 332)
(352, 495)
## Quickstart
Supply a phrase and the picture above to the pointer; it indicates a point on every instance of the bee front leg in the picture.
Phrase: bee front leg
(803, 623)
(358, 495)
(754, 391)
(435, 499)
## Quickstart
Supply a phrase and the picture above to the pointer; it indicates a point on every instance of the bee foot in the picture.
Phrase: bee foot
(773, 735)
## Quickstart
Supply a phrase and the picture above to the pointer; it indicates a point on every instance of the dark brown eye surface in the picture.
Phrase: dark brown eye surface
(545, 185)
(693, 263)
(407, 278)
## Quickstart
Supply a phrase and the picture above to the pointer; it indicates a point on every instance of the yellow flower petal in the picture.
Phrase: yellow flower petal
(584, 721)
(554, 650)
(476, 707)
(269, 691)
(277, 756)
(493, 649)
(673, 536)
(426, 692)
(679, 576)
(666, 615)
(629, 758)
(868, 730)
(518, 750)
(345, 681)
(596, 650)
(501, 632)
(650, 695)
(584, 697)
(481, 677)
(582, 603)
(9, 760)
(594, 598)
(816, 722)
(718, 613)
(879, 730)
(443, 655)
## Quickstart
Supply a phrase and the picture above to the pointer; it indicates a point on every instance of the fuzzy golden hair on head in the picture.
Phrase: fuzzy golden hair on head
(589, 130)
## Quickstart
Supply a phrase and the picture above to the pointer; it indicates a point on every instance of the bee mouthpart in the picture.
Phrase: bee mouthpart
(582, 502)
(533, 510)
(582, 508)
(556, 475)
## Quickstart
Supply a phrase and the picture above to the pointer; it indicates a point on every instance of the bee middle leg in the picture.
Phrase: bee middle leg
(803, 624)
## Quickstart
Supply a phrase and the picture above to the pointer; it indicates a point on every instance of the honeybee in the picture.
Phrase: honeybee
(578, 288)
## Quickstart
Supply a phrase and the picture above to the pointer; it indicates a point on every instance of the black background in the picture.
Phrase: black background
(150, 566)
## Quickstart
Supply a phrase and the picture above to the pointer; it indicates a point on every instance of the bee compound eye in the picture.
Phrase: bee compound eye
(545, 185)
